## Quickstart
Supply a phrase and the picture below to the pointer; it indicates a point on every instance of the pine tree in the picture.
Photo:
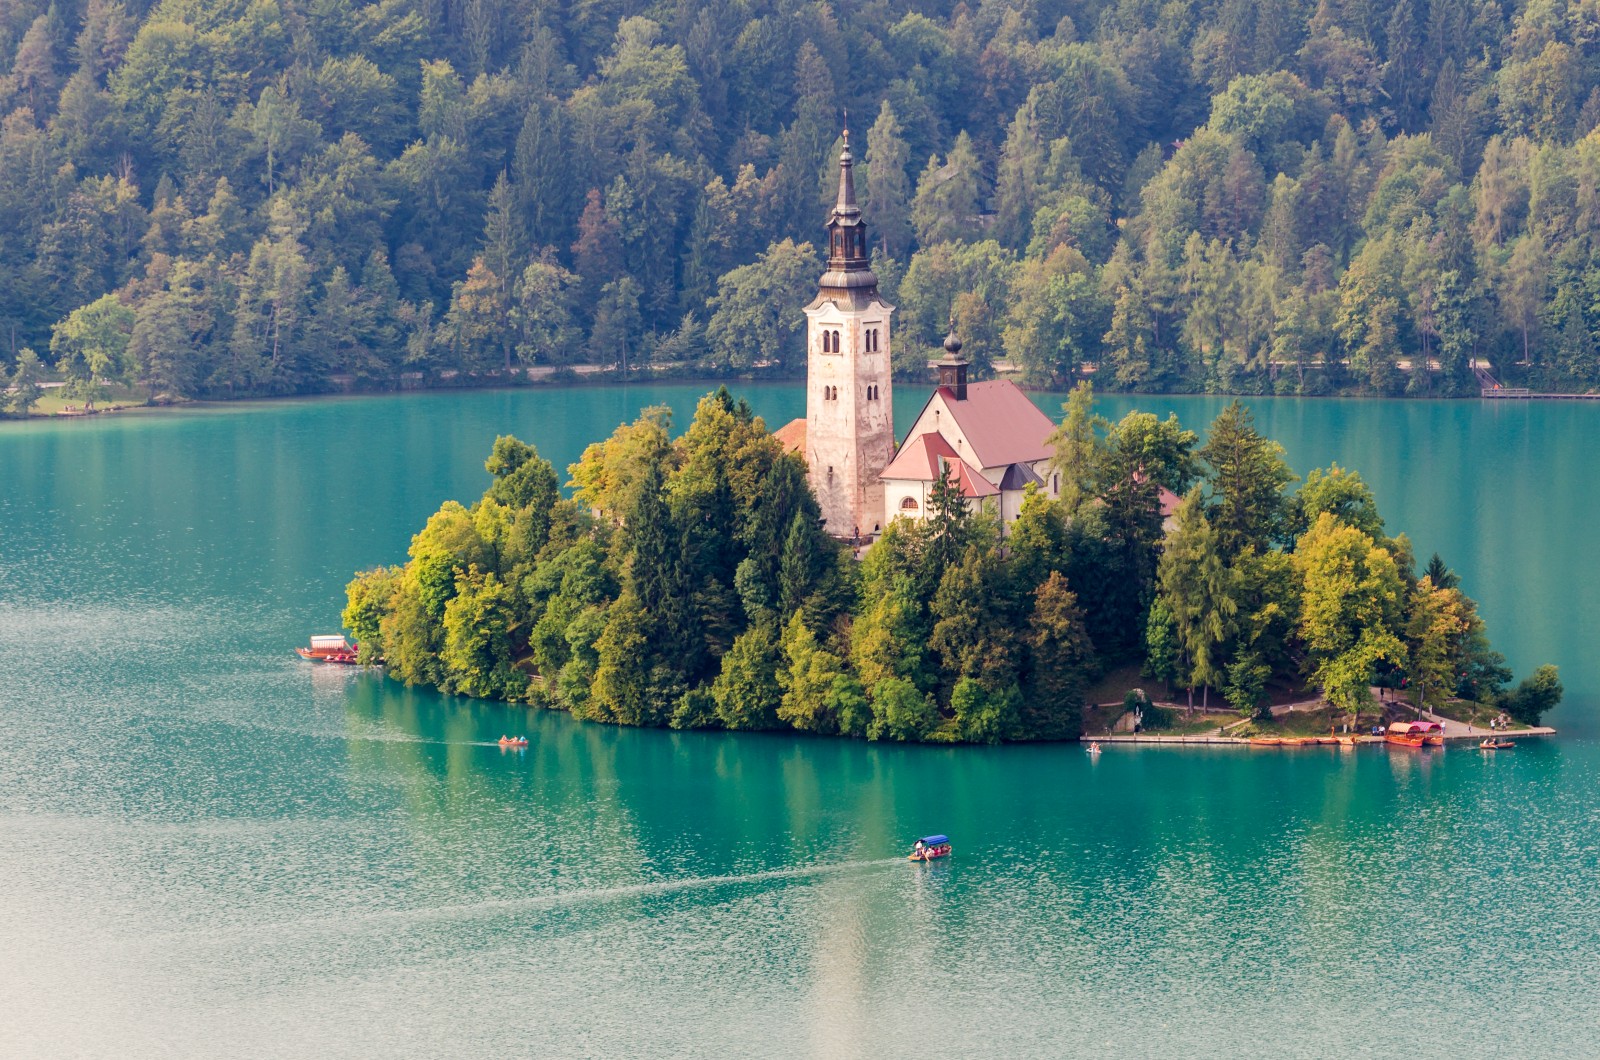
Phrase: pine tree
(1197, 588)
(946, 204)
(886, 197)
(1246, 476)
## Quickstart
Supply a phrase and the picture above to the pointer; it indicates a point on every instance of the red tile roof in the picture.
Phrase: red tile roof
(1001, 423)
(926, 456)
(1169, 503)
(972, 482)
(792, 436)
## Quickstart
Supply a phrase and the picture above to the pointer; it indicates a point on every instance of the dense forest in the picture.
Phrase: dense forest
(227, 197)
(687, 583)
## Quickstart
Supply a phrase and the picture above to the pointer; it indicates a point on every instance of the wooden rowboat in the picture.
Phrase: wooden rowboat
(1415, 733)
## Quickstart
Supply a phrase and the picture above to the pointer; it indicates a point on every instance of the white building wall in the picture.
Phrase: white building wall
(897, 491)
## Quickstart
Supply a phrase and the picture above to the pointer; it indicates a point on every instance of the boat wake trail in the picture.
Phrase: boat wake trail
(373, 737)
(565, 899)
(597, 895)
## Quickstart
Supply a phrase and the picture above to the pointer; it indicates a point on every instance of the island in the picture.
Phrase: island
(689, 582)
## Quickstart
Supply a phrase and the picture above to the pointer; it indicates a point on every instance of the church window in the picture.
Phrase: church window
(1055, 483)
(908, 504)
(836, 346)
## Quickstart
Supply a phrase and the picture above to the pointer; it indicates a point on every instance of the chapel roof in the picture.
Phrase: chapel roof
(1001, 423)
(927, 456)
(792, 436)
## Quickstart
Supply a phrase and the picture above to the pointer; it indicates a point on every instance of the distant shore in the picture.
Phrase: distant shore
(600, 376)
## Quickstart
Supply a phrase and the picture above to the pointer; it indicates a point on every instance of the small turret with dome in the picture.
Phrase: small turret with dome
(953, 367)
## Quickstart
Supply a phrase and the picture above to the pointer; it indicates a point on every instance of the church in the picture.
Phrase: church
(988, 438)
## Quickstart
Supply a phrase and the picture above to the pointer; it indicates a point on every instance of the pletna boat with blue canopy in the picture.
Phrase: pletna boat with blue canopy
(929, 847)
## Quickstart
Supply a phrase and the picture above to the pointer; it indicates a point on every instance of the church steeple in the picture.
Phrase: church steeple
(849, 264)
(846, 204)
(849, 389)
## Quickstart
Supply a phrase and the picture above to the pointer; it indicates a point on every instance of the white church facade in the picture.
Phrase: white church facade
(989, 438)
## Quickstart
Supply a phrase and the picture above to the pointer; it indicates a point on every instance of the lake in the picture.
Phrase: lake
(209, 847)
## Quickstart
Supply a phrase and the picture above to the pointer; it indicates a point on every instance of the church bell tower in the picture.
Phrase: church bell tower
(849, 412)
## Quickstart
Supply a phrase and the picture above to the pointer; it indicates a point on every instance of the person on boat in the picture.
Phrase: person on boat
(920, 851)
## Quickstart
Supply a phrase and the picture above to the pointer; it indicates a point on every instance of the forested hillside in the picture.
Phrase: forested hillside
(228, 197)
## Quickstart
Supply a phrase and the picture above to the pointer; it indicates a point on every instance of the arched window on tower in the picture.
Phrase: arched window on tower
(836, 346)
(908, 505)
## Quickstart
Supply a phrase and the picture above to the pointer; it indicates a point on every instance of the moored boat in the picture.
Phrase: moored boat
(330, 649)
(1266, 741)
(930, 847)
(1415, 733)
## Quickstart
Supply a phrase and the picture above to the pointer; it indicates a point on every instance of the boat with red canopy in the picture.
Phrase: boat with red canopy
(330, 649)
(1415, 733)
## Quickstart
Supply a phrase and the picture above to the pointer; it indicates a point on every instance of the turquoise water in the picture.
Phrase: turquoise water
(210, 848)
